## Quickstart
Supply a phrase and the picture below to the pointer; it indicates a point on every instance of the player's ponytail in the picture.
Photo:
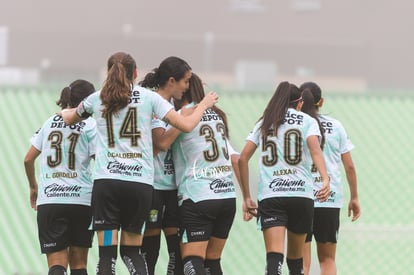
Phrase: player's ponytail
(116, 91)
(274, 114)
(64, 100)
(151, 80)
(73, 94)
(172, 66)
(196, 94)
(309, 107)
(315, 90)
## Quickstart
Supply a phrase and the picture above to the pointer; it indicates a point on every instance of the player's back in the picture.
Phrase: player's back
(201, 160)
(66, 151)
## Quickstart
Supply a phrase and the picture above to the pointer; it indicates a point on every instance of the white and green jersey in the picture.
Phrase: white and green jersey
(66, 151)
(164, 174)
(202, 162)
(285, 160)
(336, 144)
(124, 141)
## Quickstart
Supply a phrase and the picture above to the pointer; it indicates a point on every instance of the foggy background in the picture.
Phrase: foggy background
(234, 44)
(241, 48)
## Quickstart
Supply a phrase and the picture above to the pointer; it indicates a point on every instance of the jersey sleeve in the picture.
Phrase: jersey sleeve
(231, 149)
(254, 135)
(160, 106)
(85, 108)
(345, 143)
(313, 129)
(37, 139)
(91, 133)
(157, 123)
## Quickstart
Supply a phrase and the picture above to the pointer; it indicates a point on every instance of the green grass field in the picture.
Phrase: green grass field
(380, 126)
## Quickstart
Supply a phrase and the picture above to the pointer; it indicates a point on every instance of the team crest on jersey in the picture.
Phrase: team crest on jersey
(153, 215)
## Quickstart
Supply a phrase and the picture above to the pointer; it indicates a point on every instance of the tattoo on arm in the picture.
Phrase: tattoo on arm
(174, 124)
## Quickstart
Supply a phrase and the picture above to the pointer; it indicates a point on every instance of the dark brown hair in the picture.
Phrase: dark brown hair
(311, 94)
(286, 95)
(72, 95)
(196, 94)
(116, 91)
(314, 89)
(170, 67)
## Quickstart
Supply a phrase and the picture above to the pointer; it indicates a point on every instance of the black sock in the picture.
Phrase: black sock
(213, 267)
(78, 272)
(295, 266)
(274, 262)
(194, 265)
(133, 259)
(175, 264)
(151, 249)
(107, 260)
(57, 270)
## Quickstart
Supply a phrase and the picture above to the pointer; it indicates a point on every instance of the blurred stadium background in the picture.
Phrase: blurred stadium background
(359, 52)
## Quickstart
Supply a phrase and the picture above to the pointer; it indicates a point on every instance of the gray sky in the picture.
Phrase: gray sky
(361, 44)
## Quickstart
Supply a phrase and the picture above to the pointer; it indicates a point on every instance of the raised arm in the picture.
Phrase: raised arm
(319, 161)
(70, 116)
(350, 171)
(187, 123)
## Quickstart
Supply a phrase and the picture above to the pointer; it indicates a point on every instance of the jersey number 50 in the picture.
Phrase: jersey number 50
(292, 148)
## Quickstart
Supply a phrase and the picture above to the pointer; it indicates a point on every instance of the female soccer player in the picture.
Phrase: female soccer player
(336, 150)
(288, 142)
(170, 79)
(124, 167)
(205, 187)
(63, 196)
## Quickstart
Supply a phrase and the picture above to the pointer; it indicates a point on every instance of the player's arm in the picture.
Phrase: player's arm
(249, 206)
(74, 115)
(162, 139)
(235, 164)
(234, 157)
(319, 161)
(350, 171)
(187, 123)
(70, 116)
(29, 166)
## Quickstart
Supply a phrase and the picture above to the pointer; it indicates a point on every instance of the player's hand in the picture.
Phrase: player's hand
(354, 209)
(325, 191)
(249, 209)
(33, 197)
(209, 100)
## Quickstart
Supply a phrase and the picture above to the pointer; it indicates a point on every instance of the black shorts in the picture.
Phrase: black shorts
(164, 210)
(118, 204)
(294, 213)
(210, 218)
(63, 225)
(325, 225)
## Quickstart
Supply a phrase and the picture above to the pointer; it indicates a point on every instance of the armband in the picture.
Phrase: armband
(80, 111)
